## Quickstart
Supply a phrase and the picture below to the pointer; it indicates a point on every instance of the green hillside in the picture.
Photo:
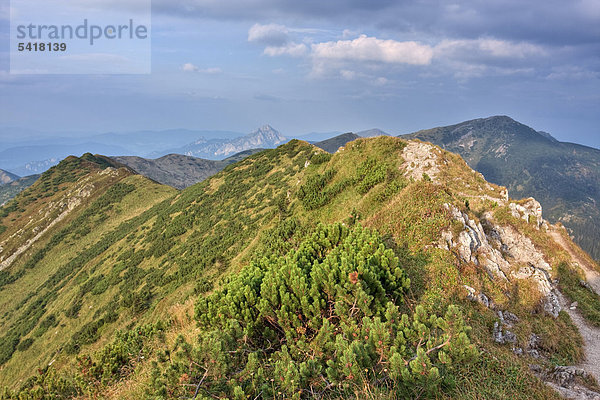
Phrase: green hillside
(291, 274)
(563, 177)
(74, 204)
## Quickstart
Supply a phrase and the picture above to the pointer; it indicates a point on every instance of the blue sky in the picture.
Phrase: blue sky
(333, 65)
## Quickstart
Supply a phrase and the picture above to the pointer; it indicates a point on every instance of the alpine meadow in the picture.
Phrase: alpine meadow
(386, 270)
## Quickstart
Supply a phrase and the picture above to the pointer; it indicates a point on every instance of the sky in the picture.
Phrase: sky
(318, 66)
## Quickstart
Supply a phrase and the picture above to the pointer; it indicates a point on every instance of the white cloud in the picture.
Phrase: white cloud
(365, 48)
(189, 67)
(486, 47)
(277, 40)
(273, 35)
(347, 33)
(348, 75)
(572, 73)
(290, 49)
(377, 60)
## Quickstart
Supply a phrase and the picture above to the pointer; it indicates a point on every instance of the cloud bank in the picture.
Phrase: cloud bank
(370, 57)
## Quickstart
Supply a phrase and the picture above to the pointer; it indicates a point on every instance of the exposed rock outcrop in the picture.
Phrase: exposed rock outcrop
(502, 335)
(504, 252)
(565, 375)
(421, 158)
(529, 210)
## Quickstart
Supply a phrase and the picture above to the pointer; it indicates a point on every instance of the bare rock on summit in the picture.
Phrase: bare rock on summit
(530, 210)
(421, 158)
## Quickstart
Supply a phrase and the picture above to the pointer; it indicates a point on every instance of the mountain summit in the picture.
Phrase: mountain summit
(372, 133)
(217, 149)
(266, 134)
(563, 177)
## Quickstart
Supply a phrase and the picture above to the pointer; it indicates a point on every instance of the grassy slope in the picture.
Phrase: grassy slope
(16, 297)
(158, 237)
(181, 246)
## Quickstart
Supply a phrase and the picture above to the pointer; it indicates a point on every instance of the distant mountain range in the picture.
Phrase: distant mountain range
(333, 144)
(9, 190)
(180, 171)
(7, 177)
(24, 152)
(35, 152)
(372, 133)
(141, 143)
(218, 149)
(180, 168)
(563, 177)
(35, 159)
(11, 185)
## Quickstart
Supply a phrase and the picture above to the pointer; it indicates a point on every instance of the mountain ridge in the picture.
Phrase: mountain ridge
(218, 149)
(149, 288)
(180, 171)
(564, 177)
(7, 177)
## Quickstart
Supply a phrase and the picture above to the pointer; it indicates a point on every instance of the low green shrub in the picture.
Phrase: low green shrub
(321, 321)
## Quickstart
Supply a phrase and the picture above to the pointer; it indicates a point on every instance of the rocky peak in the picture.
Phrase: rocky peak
(529, 210)
(266, 133)
(421, 158)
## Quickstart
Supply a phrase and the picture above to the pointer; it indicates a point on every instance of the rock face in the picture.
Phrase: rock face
(564, 380)
(505, 253)
(473, 245)
(530, 211)
(421, 158)
(565, 375)
(503, 335)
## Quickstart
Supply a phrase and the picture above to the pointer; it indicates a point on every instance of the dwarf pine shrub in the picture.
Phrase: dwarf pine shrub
(321, 321)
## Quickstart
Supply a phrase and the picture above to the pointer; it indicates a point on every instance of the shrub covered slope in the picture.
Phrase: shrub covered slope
(290, 274)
